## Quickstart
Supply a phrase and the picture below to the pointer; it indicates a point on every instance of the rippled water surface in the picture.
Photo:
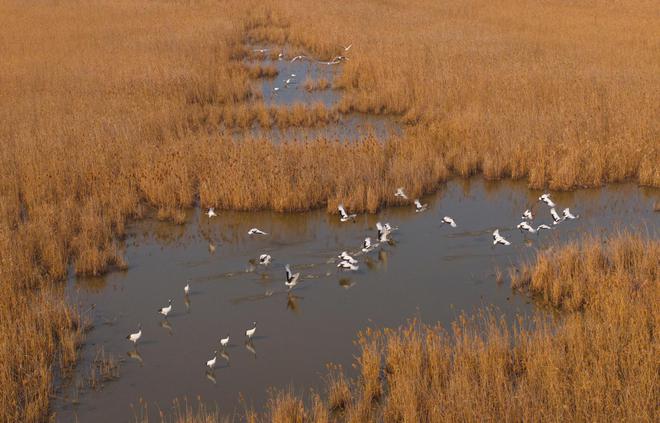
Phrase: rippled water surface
(430, 271)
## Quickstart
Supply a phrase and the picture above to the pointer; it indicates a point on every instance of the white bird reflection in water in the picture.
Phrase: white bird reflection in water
(292, 302)
(211, 376)
(346, 283)
(186, 302)
(225, 356)
(166, 325)
(135, 355)
(380, 263)
(249, 345)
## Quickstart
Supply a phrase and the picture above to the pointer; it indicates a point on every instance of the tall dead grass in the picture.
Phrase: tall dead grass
(109, 108)
(40, 337)
(587, 271)
(564, 95)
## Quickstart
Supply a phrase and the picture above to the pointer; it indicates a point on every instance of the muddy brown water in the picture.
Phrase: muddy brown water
(431, 271)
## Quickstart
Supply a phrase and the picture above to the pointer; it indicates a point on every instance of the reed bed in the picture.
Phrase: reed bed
(114, 108)
(262, 71)
(40, 336)
(564, 96)
(587, 271)
(316, 84)
(594, 362)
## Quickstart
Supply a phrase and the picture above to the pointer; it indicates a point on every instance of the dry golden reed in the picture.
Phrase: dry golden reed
(106, 115)
(262, 71)
(316, 84)
(583, 272)
(565, 96)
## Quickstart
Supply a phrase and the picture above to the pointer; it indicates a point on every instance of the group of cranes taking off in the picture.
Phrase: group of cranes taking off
(347, 262)
(290, 79)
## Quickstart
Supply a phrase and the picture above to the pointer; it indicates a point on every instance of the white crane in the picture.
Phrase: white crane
(134, 337)
(166, 310)
(449, 221)
(568, 215)
(499, 239)
(211, 363)
(419, 207)
(346, 265)
(344, 256)
(556, 219)
(367, 245)
(224, 341)
(250, 332)
(382, 232)
(525, 226)
(343, 216)
(291, 278)
(546, 199)
(400, 193)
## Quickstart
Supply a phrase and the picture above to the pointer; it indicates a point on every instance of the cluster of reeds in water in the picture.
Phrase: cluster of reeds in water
(88, 145)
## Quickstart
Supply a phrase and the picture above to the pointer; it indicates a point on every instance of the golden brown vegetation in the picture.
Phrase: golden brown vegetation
(586, 271)
(564, 95)
(262, 71)
(109, 107)
(316, 84)
(40, 335)
(299, 115)
(598, 362)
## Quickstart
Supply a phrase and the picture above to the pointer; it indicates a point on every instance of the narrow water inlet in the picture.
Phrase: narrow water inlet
(431, 271)
(289, 90)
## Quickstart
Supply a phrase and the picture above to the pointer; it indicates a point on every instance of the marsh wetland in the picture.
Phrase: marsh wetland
(430, 271)
(125, 123)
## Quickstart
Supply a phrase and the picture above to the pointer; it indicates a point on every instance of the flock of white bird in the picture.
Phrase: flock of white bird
(291, 79)
(347, 262)
(524, 226)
